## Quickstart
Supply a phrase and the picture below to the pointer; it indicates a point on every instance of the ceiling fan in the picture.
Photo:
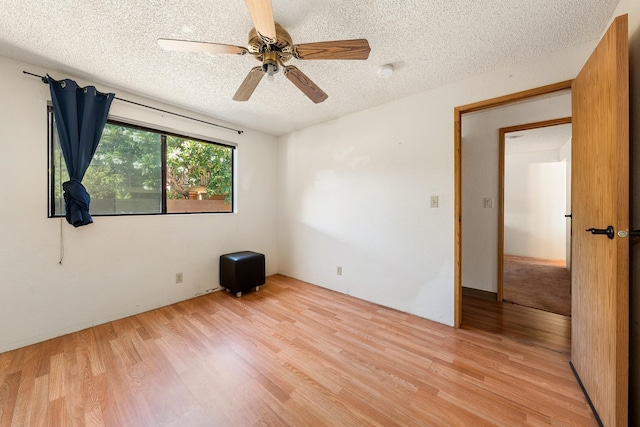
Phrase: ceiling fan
(270, 44)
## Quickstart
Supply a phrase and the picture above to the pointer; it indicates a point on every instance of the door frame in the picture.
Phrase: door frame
(503, 132)
(458, 112)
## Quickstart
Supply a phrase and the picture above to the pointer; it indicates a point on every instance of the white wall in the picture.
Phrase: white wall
(116, 266)
(565, 156)
(480, 179)
(355, 192)
(534, 205)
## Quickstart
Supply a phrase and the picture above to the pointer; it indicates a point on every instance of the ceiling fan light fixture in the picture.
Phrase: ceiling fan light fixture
(385, 71)
(270, 68)
(270, 64)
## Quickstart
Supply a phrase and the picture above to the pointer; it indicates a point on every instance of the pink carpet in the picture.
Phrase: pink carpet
(537, 283)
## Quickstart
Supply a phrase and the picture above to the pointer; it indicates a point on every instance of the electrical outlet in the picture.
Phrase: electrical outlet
(178, 277)
(434, 201)
(488, 202)
(339, 270)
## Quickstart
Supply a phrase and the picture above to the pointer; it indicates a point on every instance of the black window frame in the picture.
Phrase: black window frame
(163, 149)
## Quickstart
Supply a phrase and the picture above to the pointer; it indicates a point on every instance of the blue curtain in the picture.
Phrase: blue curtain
(80, 114)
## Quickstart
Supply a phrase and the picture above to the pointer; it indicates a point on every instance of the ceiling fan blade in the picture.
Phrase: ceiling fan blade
(303, 83)
(191, 46)
(249, 84)
(338, 49)
(262, 15)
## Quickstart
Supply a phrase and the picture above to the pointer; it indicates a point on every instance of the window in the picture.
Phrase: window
(131, 164)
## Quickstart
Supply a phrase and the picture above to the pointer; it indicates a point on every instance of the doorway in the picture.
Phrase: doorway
(479, 201)
(459, 112)
(534, 234)
(600, 207)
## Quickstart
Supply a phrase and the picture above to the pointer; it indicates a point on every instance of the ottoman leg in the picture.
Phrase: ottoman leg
(257, 288)
(238, 294)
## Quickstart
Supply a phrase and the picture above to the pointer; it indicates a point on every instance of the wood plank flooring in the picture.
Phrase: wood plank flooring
(292, 354)
(526, 324)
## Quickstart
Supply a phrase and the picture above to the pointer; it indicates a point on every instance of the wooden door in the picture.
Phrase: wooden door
(600, 198)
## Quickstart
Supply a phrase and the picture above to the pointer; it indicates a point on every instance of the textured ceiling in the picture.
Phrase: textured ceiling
(541, 139)
(429, 42)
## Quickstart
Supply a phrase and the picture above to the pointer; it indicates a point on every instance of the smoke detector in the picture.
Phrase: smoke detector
(385, 71)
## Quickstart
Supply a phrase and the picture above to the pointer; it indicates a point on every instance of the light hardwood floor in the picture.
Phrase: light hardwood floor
(292, 354)
(536, 327)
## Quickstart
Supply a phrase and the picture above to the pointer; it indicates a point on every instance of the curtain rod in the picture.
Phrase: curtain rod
(46, 81)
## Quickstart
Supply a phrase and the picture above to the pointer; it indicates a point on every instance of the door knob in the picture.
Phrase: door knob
(608, 231)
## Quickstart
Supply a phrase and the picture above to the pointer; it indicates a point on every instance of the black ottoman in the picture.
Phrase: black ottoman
(241, 271)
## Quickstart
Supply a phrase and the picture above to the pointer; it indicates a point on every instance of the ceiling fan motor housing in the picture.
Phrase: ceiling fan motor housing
(261, 49)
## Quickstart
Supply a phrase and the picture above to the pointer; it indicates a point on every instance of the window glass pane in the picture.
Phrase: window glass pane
(125, 175)
(199, 176)
(59, 172)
